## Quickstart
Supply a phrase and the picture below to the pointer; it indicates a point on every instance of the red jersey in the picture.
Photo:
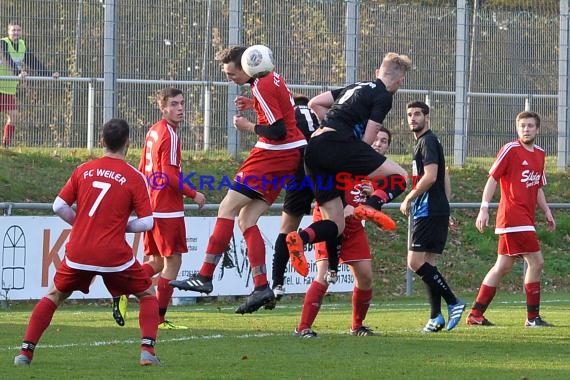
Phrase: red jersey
(352, 197)
(162, 148)
(107, 190)
(272, 101)
(521, 174)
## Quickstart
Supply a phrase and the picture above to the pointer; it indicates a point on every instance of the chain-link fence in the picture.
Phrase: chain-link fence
(478, 62)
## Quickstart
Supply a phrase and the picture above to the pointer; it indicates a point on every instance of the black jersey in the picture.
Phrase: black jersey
(356, 104)
(434, 202)
(307, 120)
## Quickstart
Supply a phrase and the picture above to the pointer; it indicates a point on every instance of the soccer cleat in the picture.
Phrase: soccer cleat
(331, 277)
(455, 313)
(478, 321)
(167, 325)
(22, 360)
(434, 324)
(297, 253)
(195, 283)
(278, 291)
(383, 221)
(120, 309)
(537, 322)
(149, 359)
(257, 299)
(305, 334)
(362, 331)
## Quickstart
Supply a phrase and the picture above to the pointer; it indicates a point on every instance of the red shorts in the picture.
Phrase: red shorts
(355, 248)
(7, 102)
(268, 171)
(166, 238)
(132, 280)
(515, 243)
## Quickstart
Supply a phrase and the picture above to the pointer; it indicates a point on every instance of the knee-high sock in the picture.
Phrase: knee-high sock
(148, 322)
(431, 276)
(483, 300)
(163, 295)
(360, 304)
(322, 230)
(217, 245)
(434, 299)
(532, 291)
(388, 188)
(333, 251)
(312, 305)
(256, 255)
(39, 322)
(280, 260)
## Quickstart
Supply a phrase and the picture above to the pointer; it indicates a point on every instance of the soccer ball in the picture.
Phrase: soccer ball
(257, 61)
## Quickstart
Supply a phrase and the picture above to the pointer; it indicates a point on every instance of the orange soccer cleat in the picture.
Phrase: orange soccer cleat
(383, 221)
(296, 250)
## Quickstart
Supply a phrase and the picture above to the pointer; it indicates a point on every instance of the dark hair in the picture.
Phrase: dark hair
(231, 54)
(300, 99)
(387, 131)
(167, 93)
(529, 115)
(418, 104)
(115, 134)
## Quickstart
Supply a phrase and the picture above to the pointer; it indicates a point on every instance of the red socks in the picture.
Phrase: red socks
(39, 322)
(256, 255)
(484, 298)
(148, 322)
(360, 304)
(217, 245)
(532, 291)
(312, 305)
(163, 294)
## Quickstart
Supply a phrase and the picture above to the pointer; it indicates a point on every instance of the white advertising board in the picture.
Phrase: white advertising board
(33, 247)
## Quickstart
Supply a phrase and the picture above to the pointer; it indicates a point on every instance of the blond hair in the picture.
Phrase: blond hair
(395, 64)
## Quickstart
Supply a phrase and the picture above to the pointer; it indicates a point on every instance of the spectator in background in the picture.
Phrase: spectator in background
(15, 59)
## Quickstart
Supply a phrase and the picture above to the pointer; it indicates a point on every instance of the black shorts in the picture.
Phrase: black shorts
(299, 195)
(429, 234)
(328, 155)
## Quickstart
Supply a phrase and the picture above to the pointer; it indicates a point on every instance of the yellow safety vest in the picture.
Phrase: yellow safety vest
(11, 86)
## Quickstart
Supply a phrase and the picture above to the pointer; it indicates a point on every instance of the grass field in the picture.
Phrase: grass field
(83, 342)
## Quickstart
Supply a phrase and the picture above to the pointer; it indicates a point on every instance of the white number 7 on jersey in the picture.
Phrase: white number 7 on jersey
(104, 186)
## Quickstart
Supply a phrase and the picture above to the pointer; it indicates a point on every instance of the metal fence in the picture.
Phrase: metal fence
(479, 63)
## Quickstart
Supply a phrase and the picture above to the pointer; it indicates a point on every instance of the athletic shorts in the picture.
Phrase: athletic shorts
(299, 195)
(266, 172)
(7, 102)
(328, 155)
(515, 243)
(429, 234)
(353, 248)
(166, 238)
(132, 280)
